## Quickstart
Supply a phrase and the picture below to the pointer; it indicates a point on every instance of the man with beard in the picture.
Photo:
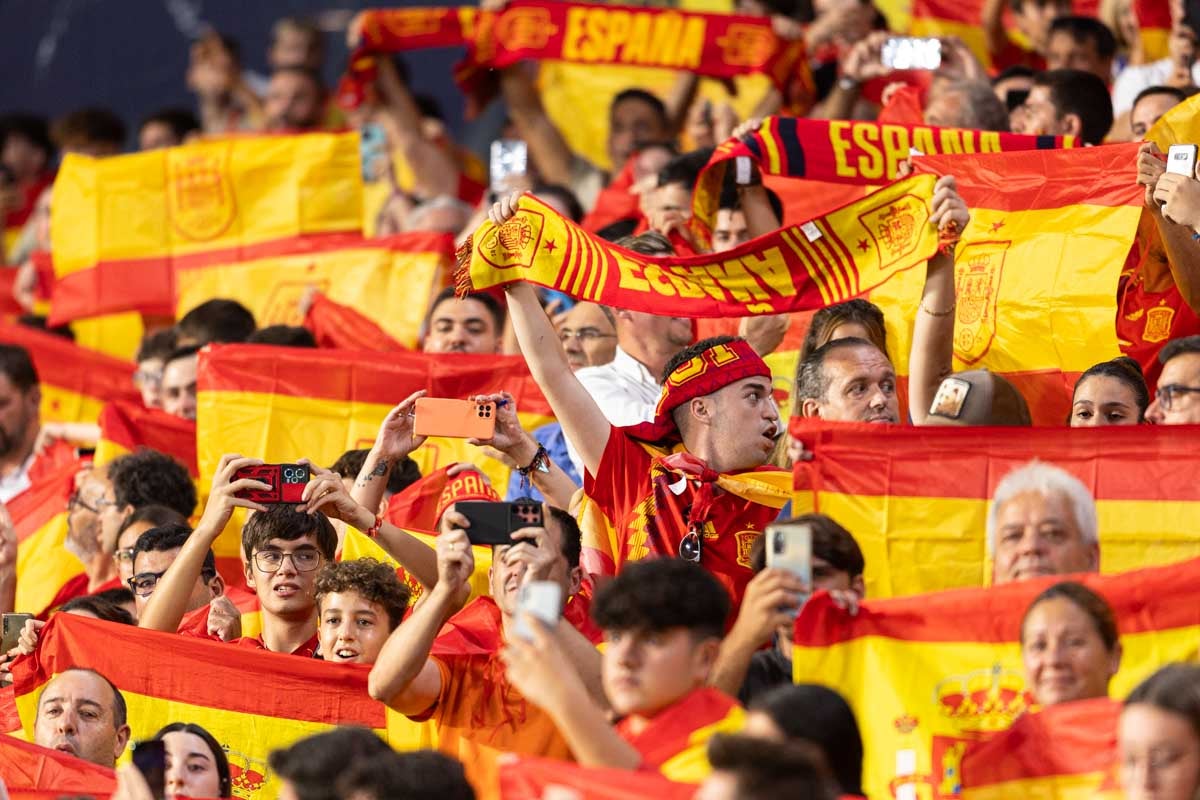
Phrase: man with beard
(472, 324)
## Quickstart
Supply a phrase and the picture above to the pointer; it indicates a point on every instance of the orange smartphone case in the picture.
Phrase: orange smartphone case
(456, 419)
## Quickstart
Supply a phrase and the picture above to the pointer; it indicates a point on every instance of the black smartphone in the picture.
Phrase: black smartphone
(494, 523)
(150, 758)
(12, 627)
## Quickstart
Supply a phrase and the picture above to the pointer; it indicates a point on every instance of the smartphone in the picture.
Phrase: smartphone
(494, 523)
(456, 419)
(789, 546)
(509, 159)
(1181, 159)
(287, 482)
(541, 600)
(912, 52)
(150, 758)
(12, 625)
(372, 148)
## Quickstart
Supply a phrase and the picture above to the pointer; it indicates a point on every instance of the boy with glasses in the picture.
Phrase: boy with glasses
(283, 550)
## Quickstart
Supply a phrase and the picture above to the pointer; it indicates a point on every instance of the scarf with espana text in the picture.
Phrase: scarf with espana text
(844, 151)
(801, 267)
(712, 45)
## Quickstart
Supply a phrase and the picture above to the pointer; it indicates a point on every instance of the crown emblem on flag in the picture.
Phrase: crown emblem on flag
(895, 227)
(514, 243)
(248, 775)
(521, 28)
(200, 199)
(747, 45)
(987, 699)
(977, 285)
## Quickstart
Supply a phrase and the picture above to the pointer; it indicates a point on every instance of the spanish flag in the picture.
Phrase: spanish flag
(339, 327)
(75, 382)
(931, 674)
(390, 281)
(1036, 270)
(252, 701)
(281, 404)
(30, 771)
(122, 226)
(44, 565)
(529, 778)
(916, 499)
(1061, 752)
(125, 427)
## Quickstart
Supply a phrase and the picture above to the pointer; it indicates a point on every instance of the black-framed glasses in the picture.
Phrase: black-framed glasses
(306, 559)
(143, 583)
(1167, 395)
(76, 501)
(584, 335)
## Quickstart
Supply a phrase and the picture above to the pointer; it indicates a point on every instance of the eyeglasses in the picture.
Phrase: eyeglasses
(145, 377)
(75, 501)
(305, 559)
(143, 583)
(124, 554)
(1167, 395)
(583, 335)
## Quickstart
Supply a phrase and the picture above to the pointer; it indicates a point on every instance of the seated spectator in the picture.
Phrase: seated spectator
(310, 768)
(746, 768)
(283, 336)
(819, 716)
(1070, 645)
(420, 775)
(1082, 43)
(95, 132)
(178, 386)
(1159, 736)
(138, 480)
(848, 380)
(196, 765)
(1175, 400)
(1042, 521)
(774, 598)
(215, 321)
(359, 604)
(82, 713)
(1066, 102)
(1149, 105)
(1110, 393)
(662, 619)
(471, 324)
(283, 548)
(154, 553)
(137, 523)
(970, 104)
(169, 127)
(151, 357)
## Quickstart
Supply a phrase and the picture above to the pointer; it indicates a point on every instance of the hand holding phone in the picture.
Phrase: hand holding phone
(494, 523)
(541, 600)
(150, 758)
(789, 547)
(454, 419)
(509, 161)
(1181, 160)
(287, 483)
(912, 52)
(12, 625)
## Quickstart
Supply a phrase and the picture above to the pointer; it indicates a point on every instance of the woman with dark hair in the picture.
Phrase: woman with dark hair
(1159, 736)
(1110, 393)
(196, 762)
(814, 714)
(859, 318)
(1070, 645)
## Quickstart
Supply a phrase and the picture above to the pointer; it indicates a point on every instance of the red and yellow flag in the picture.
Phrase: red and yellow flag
(30, 771)
(1061, 752)
(76, 382)
(44, 565)
(916, 499)
(389, 281)
(928, 675)
(341, 327)
(1037, 269)
(252, 701)
(280, 404)
(528, 778)
(122, 226)
(827, 260)
(124, 427)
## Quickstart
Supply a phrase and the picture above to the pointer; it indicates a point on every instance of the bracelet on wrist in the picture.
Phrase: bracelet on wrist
(373, 531)
(539, 463)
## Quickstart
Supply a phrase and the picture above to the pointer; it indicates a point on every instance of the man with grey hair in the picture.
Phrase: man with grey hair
(82, 713)
(1042, 521)
(966, 104)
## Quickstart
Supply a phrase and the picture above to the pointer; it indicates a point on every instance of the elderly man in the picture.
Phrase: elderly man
(82, 713)
(1176, 401)
(1042, 522)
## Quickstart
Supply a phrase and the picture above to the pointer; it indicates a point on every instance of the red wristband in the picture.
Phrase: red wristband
(373, 531)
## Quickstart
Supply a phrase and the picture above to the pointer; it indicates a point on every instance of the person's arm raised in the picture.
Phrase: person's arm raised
(932, 356)
(583, 423)
(547, 147)
(434, 171)
(772, 599)
(404, 677)
(168, 604)
(393, 442)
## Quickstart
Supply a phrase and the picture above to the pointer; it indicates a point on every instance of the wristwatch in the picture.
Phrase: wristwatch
(847, 83)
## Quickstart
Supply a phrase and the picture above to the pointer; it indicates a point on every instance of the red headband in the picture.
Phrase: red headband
(713, 369)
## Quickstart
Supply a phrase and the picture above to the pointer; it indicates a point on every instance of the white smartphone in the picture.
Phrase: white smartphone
(509, 159)
(911, 52)
(541, 600)
(1181, 159)
(789, 546)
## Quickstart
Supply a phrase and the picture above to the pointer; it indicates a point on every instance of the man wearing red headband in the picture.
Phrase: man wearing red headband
(692, 483)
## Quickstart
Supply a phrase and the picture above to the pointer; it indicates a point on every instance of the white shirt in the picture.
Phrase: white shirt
(16, 481)
(625, 391)
(1132, 80)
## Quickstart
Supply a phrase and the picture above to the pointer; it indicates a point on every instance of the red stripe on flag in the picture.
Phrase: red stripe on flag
(66, 365)
(131, 426)
(42, 502)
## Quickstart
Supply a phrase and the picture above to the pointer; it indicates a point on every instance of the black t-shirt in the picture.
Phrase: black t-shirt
(768, 669)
